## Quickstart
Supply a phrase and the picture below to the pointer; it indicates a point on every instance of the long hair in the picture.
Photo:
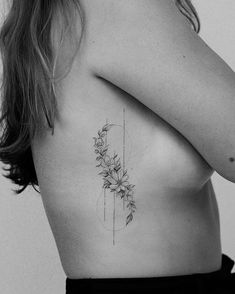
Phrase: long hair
(29, 50)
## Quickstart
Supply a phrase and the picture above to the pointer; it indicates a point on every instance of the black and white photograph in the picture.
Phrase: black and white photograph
(117, 146)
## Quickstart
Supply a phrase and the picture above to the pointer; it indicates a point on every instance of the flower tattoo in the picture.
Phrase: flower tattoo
(114, 175)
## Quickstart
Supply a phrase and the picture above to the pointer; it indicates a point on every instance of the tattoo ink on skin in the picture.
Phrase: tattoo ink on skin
(116, 185)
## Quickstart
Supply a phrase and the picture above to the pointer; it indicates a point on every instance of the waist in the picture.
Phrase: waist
(194, 283)
(169, 235)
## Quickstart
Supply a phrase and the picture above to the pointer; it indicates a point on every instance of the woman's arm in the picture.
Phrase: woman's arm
(150, 51)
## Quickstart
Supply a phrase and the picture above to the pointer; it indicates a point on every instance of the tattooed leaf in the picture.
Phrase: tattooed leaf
(129, 218)
(102, 134)
(117, 168)
(106, 185)
(128, 205)
(118, 161)
(124, 172)
(104, 173)
(107, 127)
(100, 144)
(122, 195)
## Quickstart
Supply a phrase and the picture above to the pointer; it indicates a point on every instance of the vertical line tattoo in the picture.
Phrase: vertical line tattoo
(106, 141)
(114, 195)
(124, 137)
(124, 147)
(104, 203)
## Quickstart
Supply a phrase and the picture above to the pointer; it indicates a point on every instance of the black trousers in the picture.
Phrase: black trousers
(217, 282)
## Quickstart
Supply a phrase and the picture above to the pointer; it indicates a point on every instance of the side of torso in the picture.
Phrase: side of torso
(174, 228)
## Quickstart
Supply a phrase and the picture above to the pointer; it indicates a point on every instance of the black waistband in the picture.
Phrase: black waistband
(169, 283)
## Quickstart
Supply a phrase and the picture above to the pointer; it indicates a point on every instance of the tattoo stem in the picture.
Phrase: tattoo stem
(124, 138)
(105, 188)
(114, 194)
(124, 145)
(104, 202)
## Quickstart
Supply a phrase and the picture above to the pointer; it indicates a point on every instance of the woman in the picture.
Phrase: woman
(120, 113)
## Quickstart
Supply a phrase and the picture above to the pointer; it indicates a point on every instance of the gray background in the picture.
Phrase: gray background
(29, 261)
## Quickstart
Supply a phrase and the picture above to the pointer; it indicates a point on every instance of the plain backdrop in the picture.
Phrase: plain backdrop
(29, 261)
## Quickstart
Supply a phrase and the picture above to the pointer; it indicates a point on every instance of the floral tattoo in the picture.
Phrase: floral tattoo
(114, 174)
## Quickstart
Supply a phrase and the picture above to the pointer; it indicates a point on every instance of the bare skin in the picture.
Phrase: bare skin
(175, 228)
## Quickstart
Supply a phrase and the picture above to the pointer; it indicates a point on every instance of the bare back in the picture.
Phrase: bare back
(126, 195)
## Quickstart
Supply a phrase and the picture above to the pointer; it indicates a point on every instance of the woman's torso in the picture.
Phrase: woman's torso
(175, 228)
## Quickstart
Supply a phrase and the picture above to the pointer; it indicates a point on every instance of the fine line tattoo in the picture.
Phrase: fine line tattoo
(114, 174)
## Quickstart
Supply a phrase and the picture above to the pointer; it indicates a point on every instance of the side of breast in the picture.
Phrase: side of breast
(165, 158)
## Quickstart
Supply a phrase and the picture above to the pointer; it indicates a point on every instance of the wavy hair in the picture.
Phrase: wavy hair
(30, 43)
